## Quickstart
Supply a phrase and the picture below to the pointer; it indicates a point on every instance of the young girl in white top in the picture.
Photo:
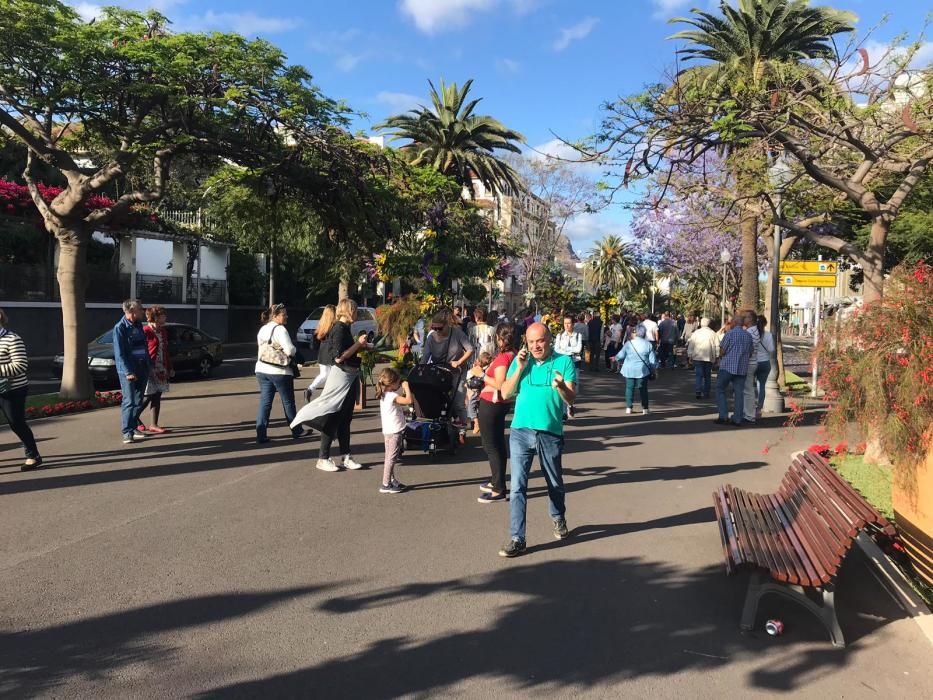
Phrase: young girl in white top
(393, 395)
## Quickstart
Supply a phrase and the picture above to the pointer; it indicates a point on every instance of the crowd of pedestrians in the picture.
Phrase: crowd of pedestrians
(519, 368)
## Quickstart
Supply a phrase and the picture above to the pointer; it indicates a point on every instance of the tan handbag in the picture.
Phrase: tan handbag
(271, 353)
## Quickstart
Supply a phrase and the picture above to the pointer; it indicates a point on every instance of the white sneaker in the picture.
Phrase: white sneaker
(348, 463)
(327, 465)
(628, 411)
(644, 411)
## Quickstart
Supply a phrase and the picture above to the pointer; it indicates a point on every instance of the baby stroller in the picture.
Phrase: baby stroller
(430, 427)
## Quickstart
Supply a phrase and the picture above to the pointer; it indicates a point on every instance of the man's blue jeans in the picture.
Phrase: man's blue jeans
(269, 385)
(523, 444)
(132, 404)
(724, 379)
(704, 375)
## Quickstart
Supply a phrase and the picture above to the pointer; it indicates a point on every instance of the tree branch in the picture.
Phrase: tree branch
(160, 167)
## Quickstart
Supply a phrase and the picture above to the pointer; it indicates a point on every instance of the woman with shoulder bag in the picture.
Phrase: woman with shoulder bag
(14, 385)
(638, 364)
(274, 370)
(332, 411)
(160, 368)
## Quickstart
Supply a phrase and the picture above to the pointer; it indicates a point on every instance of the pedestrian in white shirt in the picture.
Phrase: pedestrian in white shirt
(702, 352)
(570, 343)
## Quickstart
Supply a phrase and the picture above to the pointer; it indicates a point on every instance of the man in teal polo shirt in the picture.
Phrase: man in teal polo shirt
(544, 384)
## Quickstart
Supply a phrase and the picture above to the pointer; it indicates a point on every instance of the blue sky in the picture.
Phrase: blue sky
(543, 67)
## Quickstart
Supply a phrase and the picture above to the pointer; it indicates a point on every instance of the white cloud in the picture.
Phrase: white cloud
(584, 230)
(348, 61)
(245, 23)
(87, 10)
(340, 45)
(556, 148)
(432, 16)
(664, 9)
(507, 65)
(580, 30)
(398, 101)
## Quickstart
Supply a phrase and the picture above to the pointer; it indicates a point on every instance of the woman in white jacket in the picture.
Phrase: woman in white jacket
(702, 351)
(276, 353)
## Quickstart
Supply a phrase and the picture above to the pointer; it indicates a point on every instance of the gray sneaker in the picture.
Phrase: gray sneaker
(560, 529)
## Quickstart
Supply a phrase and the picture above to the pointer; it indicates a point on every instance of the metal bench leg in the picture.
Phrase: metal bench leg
(752, 596)
(825, 610)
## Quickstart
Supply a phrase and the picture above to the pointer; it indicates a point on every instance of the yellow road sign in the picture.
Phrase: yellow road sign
(814, 267)
(807, 280)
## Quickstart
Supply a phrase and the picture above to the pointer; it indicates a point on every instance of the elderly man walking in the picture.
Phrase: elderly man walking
(544, 382)
(735, 350)
(131, 356)
(702, 351)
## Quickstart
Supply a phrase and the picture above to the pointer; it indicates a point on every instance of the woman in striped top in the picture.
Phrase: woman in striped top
(13, 388)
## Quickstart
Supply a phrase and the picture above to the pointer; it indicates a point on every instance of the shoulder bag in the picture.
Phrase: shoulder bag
(272, 353)
(651, 373)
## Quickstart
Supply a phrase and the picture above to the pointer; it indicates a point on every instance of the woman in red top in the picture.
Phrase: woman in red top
(161, 370)
(492, 412)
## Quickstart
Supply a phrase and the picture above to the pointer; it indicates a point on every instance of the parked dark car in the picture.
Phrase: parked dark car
(191, 350)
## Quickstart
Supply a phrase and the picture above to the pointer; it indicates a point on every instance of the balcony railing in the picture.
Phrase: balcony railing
(151, 289)
(212, 291)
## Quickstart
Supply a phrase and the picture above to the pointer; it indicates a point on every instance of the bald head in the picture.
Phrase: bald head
(538, 340)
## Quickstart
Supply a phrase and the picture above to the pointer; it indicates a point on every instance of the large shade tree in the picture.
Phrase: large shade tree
(749, 47)
(450, 137)
(110, 103)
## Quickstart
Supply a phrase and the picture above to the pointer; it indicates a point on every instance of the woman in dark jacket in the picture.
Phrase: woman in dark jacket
(14, 386)
(332, 411)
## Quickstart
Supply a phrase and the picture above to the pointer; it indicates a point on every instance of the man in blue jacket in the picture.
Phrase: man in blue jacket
(131, 355)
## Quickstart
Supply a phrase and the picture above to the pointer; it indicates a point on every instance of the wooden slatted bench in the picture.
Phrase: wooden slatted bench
(797, 536)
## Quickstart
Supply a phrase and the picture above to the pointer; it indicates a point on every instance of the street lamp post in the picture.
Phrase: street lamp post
(725, 257)
(779, 174)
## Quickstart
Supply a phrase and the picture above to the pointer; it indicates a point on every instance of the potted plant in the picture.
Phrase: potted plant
(878, 374)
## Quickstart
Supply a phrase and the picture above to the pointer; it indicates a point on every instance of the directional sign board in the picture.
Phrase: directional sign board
(807, 280)
(812, 267)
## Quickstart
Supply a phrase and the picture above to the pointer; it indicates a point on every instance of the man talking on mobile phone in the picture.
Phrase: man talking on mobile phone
(544, 383)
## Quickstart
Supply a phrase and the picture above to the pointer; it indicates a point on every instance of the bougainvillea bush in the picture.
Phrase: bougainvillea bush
(878, 368)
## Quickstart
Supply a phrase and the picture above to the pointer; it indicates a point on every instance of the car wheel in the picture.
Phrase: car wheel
(370, 336)
(205, 367)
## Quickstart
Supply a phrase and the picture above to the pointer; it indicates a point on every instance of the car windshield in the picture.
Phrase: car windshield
(316, 314)
(106, 338)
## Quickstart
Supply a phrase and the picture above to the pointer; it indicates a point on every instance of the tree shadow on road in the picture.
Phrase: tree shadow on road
(568, 626)
(36, 661)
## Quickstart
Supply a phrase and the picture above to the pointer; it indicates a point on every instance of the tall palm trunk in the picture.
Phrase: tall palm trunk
(72, 283)
(748, 230)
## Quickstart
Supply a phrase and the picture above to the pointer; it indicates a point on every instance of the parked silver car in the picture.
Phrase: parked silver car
(365, 323)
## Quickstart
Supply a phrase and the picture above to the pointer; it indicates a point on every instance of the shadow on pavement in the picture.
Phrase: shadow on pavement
(36, 661)
(573, 625)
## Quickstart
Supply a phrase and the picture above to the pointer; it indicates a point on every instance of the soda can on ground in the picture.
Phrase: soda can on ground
(774, 627)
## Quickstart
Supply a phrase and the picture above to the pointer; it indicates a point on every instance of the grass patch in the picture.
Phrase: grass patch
(874, 483)
(870, 480)
(35, 403)
(795, 383)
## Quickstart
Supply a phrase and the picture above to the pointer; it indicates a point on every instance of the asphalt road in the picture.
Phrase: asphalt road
(200, 564)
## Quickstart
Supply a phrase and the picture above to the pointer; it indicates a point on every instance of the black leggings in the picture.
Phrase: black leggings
(337, 424)
(154, 401)
(13, 406)
(492, 432)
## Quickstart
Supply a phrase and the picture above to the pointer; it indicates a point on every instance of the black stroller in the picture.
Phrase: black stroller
(430, 427)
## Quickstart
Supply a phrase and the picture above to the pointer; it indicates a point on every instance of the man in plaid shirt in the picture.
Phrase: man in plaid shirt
(734, 352)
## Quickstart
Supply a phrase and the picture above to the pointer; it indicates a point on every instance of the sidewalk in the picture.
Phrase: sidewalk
(200, 563)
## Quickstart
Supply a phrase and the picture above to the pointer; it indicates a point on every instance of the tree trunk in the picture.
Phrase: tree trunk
(748, 230)
(873, 265)
(271, 279)
(343, 288)
(72, 282)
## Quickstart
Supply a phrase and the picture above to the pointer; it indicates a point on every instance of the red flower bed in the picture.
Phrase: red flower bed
(101, 399)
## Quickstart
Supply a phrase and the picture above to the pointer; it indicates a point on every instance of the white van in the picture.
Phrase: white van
(365, 323)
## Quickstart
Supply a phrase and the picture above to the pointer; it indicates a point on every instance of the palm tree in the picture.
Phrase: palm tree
(751, 47)
(452, 139)
(610, 265)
